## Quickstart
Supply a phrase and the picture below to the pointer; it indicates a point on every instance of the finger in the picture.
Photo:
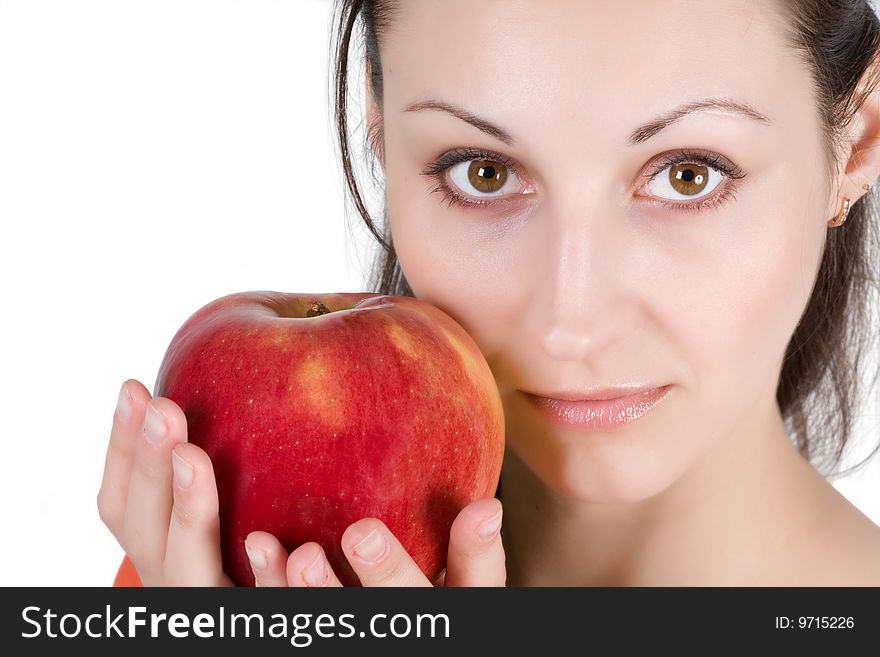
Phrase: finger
(308, 566)
(476, 553)
(378, 558)
(148, 509)
(192, 555)
(268, 559)
(128, 418)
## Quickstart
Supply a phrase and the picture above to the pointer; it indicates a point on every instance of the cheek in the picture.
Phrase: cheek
(449, 261)
(739, 304)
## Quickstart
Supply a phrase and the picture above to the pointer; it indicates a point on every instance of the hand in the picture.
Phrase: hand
(471, 560)
(170, 531)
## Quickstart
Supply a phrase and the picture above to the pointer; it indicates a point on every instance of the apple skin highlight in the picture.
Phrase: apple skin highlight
(318, 410)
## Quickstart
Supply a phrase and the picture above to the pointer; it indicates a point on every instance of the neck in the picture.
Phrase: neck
(724, 522)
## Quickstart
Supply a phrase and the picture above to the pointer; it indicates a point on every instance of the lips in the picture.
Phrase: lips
(600, 394)
(600, 414)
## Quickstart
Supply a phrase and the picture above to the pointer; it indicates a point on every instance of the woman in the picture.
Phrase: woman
(607, 196)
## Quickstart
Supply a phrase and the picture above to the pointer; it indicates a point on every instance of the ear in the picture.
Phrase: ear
(375, 124)
(863, 148)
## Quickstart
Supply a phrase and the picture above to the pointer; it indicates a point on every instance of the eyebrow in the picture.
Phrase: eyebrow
(641, 134)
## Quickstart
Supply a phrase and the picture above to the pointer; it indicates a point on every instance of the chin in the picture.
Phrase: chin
(623, 474)
(612, 481)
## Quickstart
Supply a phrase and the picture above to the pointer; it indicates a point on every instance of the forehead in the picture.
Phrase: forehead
(613, 62)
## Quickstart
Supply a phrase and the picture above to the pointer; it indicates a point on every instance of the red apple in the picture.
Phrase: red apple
(318, 410)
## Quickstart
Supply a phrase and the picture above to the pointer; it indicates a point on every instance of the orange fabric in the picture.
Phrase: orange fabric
(127, 575)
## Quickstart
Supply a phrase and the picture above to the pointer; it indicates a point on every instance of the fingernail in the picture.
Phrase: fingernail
(154, 425)
(371, 548)
(183, 471)
(490, 527)
(123, 406)
(315, 573)
(257, 557)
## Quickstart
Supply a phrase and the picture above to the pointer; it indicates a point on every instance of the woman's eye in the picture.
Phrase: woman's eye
(472, 179)
(684, 181)
(483, 179)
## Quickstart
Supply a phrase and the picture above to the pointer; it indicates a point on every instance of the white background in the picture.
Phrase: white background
(153, 156)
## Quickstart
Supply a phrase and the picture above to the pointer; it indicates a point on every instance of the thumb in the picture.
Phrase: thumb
(476, 553)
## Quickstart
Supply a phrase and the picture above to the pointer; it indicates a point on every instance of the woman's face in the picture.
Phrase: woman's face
(589, 264)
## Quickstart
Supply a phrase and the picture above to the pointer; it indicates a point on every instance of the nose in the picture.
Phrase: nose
(581, 301)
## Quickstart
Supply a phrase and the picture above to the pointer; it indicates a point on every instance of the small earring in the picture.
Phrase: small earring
(841, 217)
(866, 187)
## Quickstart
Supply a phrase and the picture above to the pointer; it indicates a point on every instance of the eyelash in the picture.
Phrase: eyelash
(728, 169)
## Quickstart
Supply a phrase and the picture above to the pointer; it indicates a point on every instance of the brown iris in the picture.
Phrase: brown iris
(487, 176)
(688, 178)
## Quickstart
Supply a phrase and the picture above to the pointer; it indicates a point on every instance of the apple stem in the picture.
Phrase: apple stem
(316, 309)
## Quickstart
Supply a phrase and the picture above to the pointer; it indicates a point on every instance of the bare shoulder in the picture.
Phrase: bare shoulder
(846, 547)
(861, 550)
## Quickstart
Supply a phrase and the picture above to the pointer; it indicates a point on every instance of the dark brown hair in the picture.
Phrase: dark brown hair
(824, 372)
